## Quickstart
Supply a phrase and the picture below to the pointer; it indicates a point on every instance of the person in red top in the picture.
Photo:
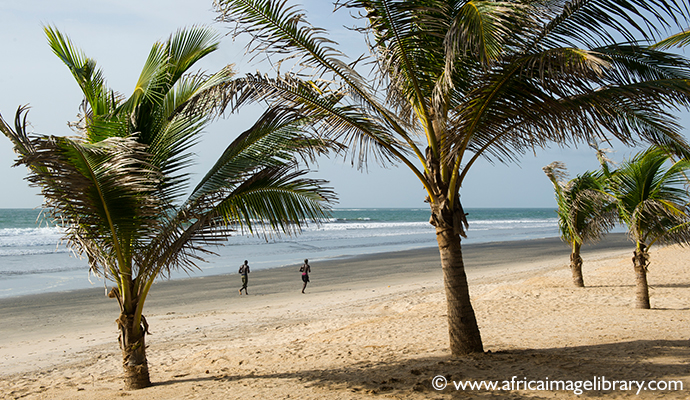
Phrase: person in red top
(305, 269)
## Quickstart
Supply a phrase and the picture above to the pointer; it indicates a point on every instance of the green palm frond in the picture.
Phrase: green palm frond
(202, 93)
(276, 201)
(153, 81)
(168, 61)
(591, 23)
(359, 130)
(651, 197)
(271, 142)
(585, 211)
(680, 39)
(104, 192)
(279, 29)
(511, 114)
(634, 63)
(484, 27)
(101, 100)
(400, 56)
(288, 32)
(187, 46)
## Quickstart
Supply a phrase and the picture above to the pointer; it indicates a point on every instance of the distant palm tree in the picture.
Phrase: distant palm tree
(651, 195)
(584, 211)
(119, 187)
(457, 81)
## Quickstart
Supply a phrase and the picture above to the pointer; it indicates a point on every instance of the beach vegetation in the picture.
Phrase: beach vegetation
(454, 82)
(650, 191)
(120, 188)
(585, 211)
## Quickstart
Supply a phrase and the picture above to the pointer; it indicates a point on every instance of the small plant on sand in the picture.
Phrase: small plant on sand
(120, 190)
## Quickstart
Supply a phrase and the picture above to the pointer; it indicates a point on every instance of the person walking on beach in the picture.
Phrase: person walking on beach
(244, 270)
(305, 269)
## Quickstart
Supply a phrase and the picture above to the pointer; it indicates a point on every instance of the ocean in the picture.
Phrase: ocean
(33, 259)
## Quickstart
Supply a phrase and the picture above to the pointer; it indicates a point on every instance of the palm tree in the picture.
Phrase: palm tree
(456, 81)
(584, 212)
(652, 201)
(119, 187)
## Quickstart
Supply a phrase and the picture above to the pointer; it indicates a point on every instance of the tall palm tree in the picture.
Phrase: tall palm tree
(120, 190)
(455, 81)
(584, 211)
(651, 195)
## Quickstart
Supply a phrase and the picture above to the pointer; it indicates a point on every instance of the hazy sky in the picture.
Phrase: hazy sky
(119, 35)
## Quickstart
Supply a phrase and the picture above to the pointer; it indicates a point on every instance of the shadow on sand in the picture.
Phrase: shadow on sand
(630, 361)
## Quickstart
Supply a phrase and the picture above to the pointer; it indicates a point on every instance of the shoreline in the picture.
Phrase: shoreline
(34, 265)
(46, 313)
(473, 255)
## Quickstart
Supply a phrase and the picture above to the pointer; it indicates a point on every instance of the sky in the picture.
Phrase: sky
(119, 35)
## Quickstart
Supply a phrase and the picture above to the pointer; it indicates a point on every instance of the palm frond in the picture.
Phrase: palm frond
(557, 174)
(362, 132)
(152, 84)
(633, 63)
(585, 211)
(402, 57)
(274, 140)
(511, 115)
(651, 199)
(103, 191)
(187, 46)
(279, 29)
(592, 23)
(19, 136)
(275, 200)
(680, 39)
(101, 100)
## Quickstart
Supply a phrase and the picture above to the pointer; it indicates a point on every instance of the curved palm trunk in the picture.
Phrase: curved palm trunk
(133, 346)
(462, 323)
(576, 265)
(640, 261)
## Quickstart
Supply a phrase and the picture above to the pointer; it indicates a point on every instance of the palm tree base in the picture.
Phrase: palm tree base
(134, 362)
(463, 330)
(640, 261)
(576, 266)
(137, 377)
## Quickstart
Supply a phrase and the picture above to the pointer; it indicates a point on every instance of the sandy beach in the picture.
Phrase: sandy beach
(368, 327)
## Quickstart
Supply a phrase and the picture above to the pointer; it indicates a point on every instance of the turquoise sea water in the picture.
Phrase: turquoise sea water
(33, 259)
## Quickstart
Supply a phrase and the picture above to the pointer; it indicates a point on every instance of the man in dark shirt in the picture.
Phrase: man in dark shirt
(244, 270)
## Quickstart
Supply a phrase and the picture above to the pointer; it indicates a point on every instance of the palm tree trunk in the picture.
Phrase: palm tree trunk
(640, 260)
(462, 323)
(133, 346)
(576, 265)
